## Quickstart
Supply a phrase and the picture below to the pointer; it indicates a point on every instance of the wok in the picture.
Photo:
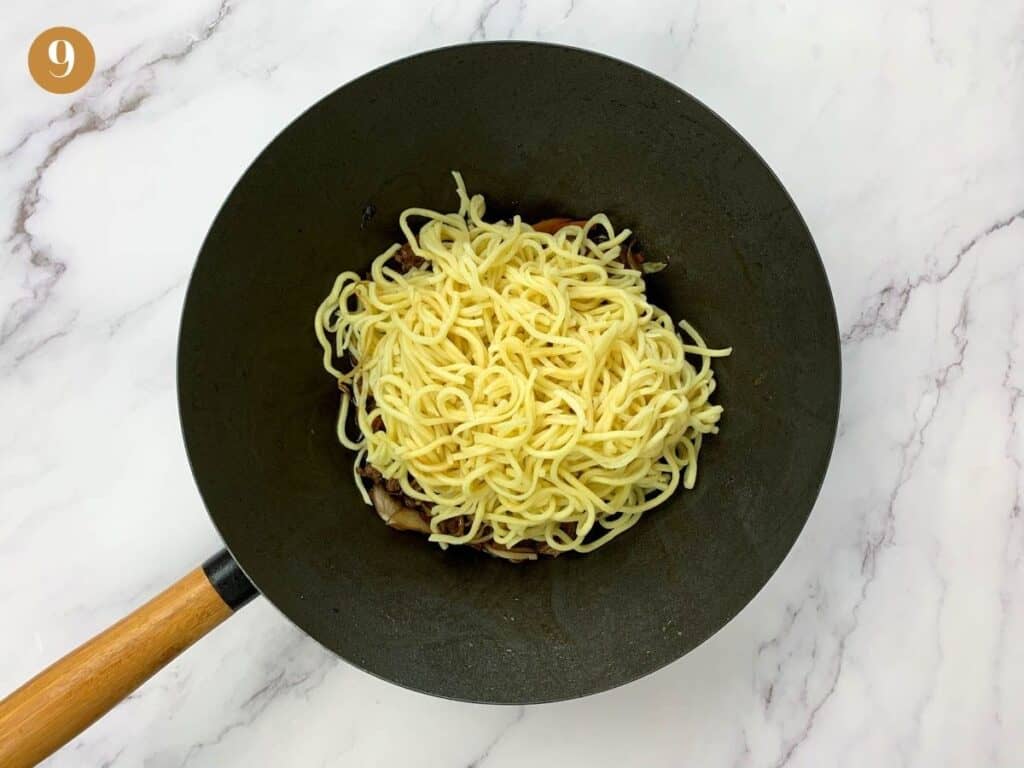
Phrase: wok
(540, 130)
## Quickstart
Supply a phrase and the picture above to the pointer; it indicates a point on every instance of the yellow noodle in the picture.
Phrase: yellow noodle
(523, 379)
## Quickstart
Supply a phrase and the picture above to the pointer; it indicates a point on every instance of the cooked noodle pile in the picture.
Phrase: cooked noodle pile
(517, 385)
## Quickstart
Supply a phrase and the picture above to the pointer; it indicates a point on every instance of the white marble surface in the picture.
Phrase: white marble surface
(893, 635)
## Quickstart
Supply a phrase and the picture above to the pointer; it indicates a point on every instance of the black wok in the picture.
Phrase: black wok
(542, 131)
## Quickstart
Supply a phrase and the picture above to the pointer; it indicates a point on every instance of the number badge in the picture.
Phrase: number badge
(61, 60)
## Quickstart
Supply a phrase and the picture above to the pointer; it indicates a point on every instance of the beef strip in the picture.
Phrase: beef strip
(550, 226)
(406, 259)
(453, 526)
(633, 257)
(371, 473)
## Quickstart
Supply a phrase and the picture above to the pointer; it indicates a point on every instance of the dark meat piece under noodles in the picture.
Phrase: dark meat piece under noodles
(406, 259)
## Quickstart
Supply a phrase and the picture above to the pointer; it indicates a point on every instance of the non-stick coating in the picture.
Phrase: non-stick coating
(540, 130)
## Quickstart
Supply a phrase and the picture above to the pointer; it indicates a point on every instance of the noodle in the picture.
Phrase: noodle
(523, 381)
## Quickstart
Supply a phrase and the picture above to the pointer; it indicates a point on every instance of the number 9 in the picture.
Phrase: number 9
(68, 60)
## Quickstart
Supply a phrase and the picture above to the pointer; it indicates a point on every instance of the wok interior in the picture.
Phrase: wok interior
(540, 131)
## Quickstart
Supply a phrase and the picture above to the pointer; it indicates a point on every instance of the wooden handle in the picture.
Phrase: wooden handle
(66, 698)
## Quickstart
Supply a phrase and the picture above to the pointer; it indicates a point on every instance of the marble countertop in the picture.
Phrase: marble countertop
(893, 635)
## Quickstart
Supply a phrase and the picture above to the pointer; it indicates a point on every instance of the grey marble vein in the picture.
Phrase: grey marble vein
(109, 762)
(480, 27)
(281, 682)
(38, 344)
(78, 120)
(118, 322)
(1011, 588)
(479, 760)
(886, 310)
(909, 452)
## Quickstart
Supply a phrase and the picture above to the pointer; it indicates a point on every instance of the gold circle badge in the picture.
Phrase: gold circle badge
(61, 60)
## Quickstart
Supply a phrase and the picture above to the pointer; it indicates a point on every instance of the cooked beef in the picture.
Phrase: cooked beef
(453, 526)
(633, 257)
(407, 259)
(371, 473)
(393, 487)
(405, 513)
(550, 226)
